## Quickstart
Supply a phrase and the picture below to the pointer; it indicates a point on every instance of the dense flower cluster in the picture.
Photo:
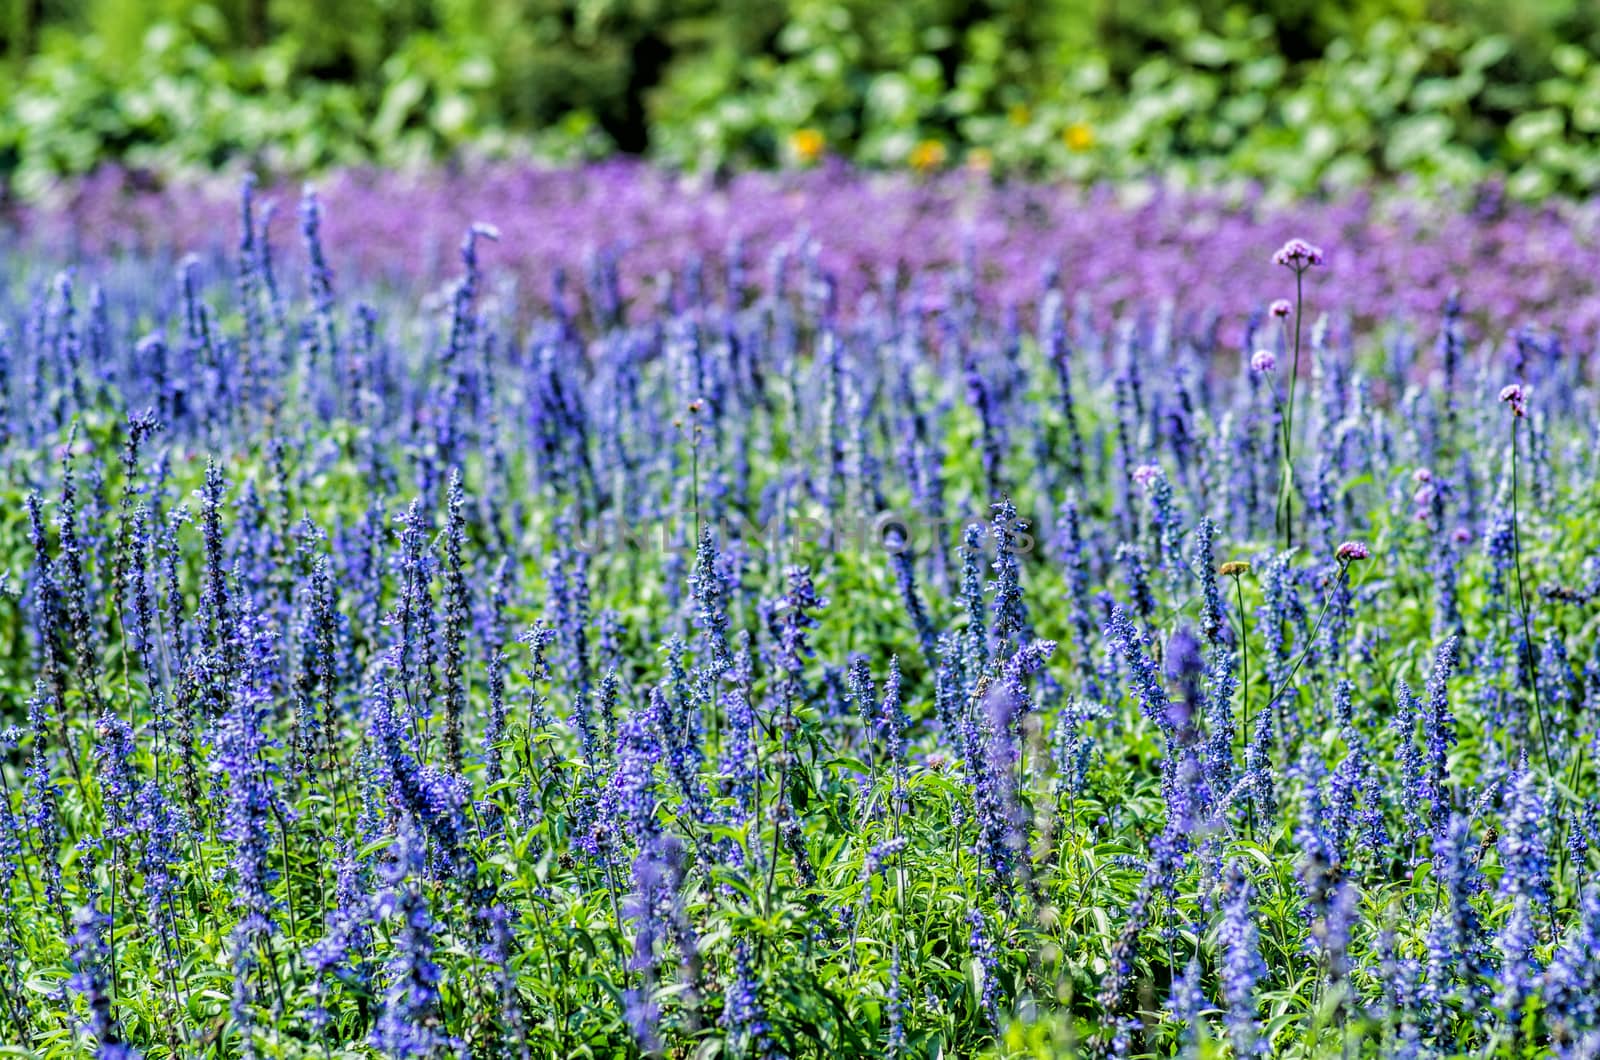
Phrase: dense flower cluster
(787, 657)
(1109, 247)
(1298, 255)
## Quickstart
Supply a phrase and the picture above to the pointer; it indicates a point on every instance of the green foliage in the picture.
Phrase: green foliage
(1296, 93)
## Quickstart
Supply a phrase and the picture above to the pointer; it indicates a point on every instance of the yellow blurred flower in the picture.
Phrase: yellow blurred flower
(980, 160)
(1078, 137)
(1019, 114)
(928, 155)
(807, 144)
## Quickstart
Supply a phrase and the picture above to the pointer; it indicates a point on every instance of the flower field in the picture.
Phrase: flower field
(811, 616)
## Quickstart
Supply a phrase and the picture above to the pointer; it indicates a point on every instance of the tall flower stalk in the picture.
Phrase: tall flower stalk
(1346, 554)
(1298, 256)
(1516, 398)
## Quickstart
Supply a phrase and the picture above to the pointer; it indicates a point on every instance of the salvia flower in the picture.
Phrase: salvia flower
(989, 967)
(1573, 979)
(1242, 966)
(1439, 728)
(409, 1026)
(89, 954)
(1189, 1005)
(1519, 969)
(1010, 610)
(1524, 853)
(1148, 688)
(709, 589)
(896, 1008)
(744, 1016)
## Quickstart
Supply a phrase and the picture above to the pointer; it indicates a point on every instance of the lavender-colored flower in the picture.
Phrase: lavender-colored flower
(1140, 595)
(214, 603)
(988, 964)
(895, 1009)
(1524, 854)
(1280, 308)
(1298, 255)
(1330, 932)
(408, 1026)
(248, 777)
(343, 951)
(861, 694)
(1242, 968)
(893, 723)
(1439, 728)
(113, 754)
(1263, 361)
(1351, 551)
(1519, 970)
(639, 750)
(1572, 981)
(1515, 395)
(1146, 678)
(40, 801)
(1188, 1006)
(1213, 613)
(901, 560)
(744, 1016)
(1010, 611)
(975, 639)
(512, 1032)
(457, 605)
(795, 619)
(1455, 933)
(89, 954)
(739, 766)
(710, 592)
(1413, 785)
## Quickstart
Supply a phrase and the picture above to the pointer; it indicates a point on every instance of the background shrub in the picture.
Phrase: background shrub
(1299, 95)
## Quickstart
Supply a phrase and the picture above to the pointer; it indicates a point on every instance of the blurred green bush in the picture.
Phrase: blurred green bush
(1300, 94)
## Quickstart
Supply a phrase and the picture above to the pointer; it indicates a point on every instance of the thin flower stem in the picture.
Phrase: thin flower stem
(1522, 603)
(1244, 654)
(1344, 571)
(1287, 485)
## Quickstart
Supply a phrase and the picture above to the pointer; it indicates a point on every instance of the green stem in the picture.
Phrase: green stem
(1244, 693)
(1244, 653)
(1522, 603)
(1344, 570)
(1288, 421)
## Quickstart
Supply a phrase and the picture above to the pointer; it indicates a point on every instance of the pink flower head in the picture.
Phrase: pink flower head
(1421, 475)
(1351, 551)
(1263, 361)
(1461, 535)
(1281, 308)
(1298, 255)
(1515, 396)
(1147, 475)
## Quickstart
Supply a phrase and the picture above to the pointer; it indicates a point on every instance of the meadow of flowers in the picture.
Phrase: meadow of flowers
(789, 639)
